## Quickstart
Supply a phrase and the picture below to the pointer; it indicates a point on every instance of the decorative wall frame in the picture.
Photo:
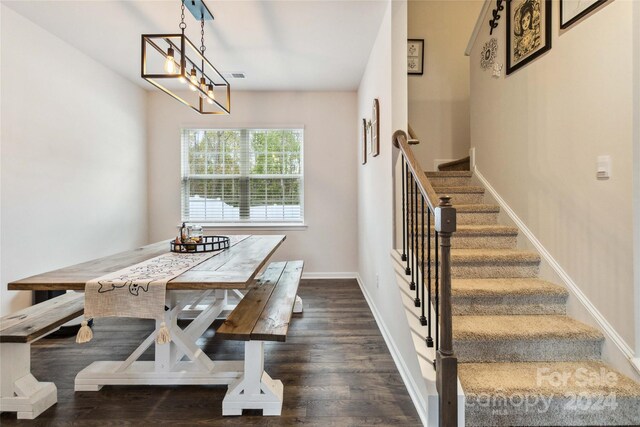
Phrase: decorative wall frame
(488, 54)
(528, 31)
(375, 129)
(365, 131)
(571, 11)
(415, 56)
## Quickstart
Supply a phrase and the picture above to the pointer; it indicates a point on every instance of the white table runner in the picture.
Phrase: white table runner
(139, 290)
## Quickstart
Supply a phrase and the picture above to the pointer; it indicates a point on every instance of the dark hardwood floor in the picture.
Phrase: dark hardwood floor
(335, 367)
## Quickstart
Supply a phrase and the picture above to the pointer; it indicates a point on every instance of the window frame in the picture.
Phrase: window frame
(245, 223)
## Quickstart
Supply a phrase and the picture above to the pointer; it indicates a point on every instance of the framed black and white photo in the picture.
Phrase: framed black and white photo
(415, 56)
(528, 31)
(571, 11)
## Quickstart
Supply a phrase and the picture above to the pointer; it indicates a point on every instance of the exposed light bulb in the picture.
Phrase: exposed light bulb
(169, 63)
(194, 80)
(210, 93)
(209, 100)
(203, 87)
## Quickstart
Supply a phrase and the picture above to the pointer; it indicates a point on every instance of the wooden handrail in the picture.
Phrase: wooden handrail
(401, 141)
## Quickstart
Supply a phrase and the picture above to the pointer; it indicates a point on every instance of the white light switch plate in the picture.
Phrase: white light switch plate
(603, 167)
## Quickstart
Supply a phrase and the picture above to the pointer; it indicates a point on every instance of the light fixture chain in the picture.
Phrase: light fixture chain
(182, 24)
(202, 47)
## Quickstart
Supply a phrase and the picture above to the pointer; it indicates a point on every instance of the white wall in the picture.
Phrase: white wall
(439, 99)
(537, 135)
(73, 168)
(328, 244)
(385, 78)
(636, 171)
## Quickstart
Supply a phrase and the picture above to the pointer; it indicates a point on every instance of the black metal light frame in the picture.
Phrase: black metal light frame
(156, 79)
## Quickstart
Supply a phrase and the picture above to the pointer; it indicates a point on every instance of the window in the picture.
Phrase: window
(242, 175)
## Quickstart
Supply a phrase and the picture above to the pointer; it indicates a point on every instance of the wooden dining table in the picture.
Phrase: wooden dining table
(201, 294)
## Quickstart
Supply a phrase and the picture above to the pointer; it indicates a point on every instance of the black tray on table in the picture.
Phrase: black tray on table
(208, 244)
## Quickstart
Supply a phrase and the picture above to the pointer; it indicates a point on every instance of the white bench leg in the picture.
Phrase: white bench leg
(19, 391)
(297, 306)
(255, 389)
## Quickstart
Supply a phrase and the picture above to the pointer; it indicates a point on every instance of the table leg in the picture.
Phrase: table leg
(255, 389)
(168, 366)
(20, 391)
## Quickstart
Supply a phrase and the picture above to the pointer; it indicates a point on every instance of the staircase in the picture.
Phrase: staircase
(522, 360)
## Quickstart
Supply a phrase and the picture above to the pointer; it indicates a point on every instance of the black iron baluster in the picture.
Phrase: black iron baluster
(416, 252)
(423, 319)
(429, 337)
(407, 270)
(437, 295)
(404, 214)
(412, 285)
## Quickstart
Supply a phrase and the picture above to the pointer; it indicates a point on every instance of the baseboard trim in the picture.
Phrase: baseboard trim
(409, 382)
(606, 327)
(330, 275)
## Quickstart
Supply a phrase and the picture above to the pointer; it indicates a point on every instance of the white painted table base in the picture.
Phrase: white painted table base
(255, 389)
(249, 386)
(20, 392)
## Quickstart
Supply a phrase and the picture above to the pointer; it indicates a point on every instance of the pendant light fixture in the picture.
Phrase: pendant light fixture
(173, 64)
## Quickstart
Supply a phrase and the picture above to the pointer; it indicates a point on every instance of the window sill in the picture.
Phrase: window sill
(254, 226)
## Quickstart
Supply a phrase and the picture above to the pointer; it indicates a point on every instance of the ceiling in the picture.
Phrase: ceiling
(279, 45)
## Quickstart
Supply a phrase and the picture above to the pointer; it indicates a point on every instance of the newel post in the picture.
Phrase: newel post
(446, 361)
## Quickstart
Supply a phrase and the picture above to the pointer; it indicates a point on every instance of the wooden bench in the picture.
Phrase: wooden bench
(262, 315)
(19, 390)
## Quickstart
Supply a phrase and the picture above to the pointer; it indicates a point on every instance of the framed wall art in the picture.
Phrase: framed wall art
(415, 56)
(365, 131)
(375, 128)
(528, 31)
(571, 11)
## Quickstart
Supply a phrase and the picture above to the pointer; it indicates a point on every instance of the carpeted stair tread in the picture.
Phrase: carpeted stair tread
(525, 327)
(511, 256)
(458, 189)
(578, 393)
(531, 377)
(449, 174)
(504, 287)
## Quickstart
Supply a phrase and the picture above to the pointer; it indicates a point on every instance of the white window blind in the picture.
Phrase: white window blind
(242, 175)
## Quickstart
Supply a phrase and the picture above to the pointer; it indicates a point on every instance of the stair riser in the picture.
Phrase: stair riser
(509, 305)
(464, 218)
(477, 218)
(456, 198)
(476, 241)
(457, 181)
(493, 270)
(464, 198)
(533, 409)
(481, 242)
(489, 270)
(527, 350)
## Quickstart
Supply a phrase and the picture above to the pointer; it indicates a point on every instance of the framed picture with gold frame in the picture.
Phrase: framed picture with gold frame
(375, 129)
